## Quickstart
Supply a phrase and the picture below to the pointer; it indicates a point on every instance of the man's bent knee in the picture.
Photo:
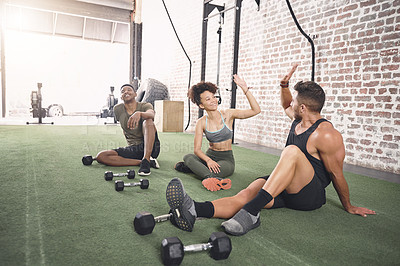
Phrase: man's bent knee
(148, 127)
(148, 123)
(291, 151)
(246, 195)
(251, 191)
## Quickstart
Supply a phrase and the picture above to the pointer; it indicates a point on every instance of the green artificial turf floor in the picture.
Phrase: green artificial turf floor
(56, 211)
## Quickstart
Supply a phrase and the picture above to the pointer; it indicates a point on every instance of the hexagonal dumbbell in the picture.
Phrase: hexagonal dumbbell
(145, 222)
(172, 249)
(88, 159)
(108, 176)
(120, 185)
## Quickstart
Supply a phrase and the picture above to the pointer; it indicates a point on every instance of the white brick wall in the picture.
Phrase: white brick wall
(357, 63)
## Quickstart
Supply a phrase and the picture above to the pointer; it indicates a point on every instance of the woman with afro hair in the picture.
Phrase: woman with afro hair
(217, 163)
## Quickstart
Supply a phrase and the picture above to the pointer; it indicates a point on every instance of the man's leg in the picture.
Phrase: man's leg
(185, 210)
(292, 173)
(229, 206)
(111, 158)
(149, 133)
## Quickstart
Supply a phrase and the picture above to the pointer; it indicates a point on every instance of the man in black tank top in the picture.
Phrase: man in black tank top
(312, 158)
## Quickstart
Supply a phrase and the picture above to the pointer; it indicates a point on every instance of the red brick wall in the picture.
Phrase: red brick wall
(357, 63)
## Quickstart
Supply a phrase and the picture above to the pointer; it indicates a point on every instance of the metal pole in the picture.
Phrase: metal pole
(219, 49)
(40, 102)
(136, 43)
(132, 49)
(220, 13)
(235, 59)
(219, 32)
(203, 48)
(2, 59)
(207, 9)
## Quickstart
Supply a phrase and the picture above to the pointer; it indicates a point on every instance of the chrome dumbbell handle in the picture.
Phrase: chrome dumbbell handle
(198, 247)
(163, 218)
(120, 174)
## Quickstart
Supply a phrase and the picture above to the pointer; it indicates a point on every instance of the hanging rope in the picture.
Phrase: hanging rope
(307, 37)
(187, 56)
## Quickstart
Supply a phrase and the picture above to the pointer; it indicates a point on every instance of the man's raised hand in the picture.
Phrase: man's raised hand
(286, 78)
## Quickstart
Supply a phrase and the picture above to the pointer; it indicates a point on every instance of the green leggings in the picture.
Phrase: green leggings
(199, 167)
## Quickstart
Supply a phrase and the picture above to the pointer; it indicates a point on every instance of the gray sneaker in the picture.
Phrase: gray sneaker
(182, 206)
(241, 223)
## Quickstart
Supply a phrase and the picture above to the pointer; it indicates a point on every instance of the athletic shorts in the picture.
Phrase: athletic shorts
(310, 197)
(137, 151)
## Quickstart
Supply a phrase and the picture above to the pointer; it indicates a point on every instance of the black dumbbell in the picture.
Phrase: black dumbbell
(119, 184)
(108, 176)
(172, 249)
(145, 222)
(88, 159)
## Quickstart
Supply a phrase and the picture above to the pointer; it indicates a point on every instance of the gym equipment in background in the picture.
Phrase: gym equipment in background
(38, 111)
(108, 110)
(151, 90)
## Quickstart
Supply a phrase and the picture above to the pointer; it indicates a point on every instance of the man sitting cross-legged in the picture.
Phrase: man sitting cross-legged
(136, 120)
(312, 158)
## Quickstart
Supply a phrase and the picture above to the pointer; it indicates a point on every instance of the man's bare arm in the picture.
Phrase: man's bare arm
(135, 117)
(331, 149)
(286, 96)
(149, 114)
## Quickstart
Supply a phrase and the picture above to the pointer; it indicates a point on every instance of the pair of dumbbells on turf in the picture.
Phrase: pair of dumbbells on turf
(172, 249)
(120, 185)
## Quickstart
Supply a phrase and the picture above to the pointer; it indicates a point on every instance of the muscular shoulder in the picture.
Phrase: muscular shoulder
(326, 129)
(327, 137)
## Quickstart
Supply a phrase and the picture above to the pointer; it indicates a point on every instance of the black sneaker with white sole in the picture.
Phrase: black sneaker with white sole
(182, 206)
(144, 168)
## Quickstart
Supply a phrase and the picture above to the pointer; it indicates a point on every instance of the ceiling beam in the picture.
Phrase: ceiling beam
(77, 8)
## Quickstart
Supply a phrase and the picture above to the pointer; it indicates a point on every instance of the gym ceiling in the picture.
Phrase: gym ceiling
(102, 20)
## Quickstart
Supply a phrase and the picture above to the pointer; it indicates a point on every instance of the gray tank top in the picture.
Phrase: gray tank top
(220, 135)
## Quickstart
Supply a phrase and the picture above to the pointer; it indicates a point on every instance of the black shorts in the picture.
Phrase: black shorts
(310, 197)
(137, 151)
